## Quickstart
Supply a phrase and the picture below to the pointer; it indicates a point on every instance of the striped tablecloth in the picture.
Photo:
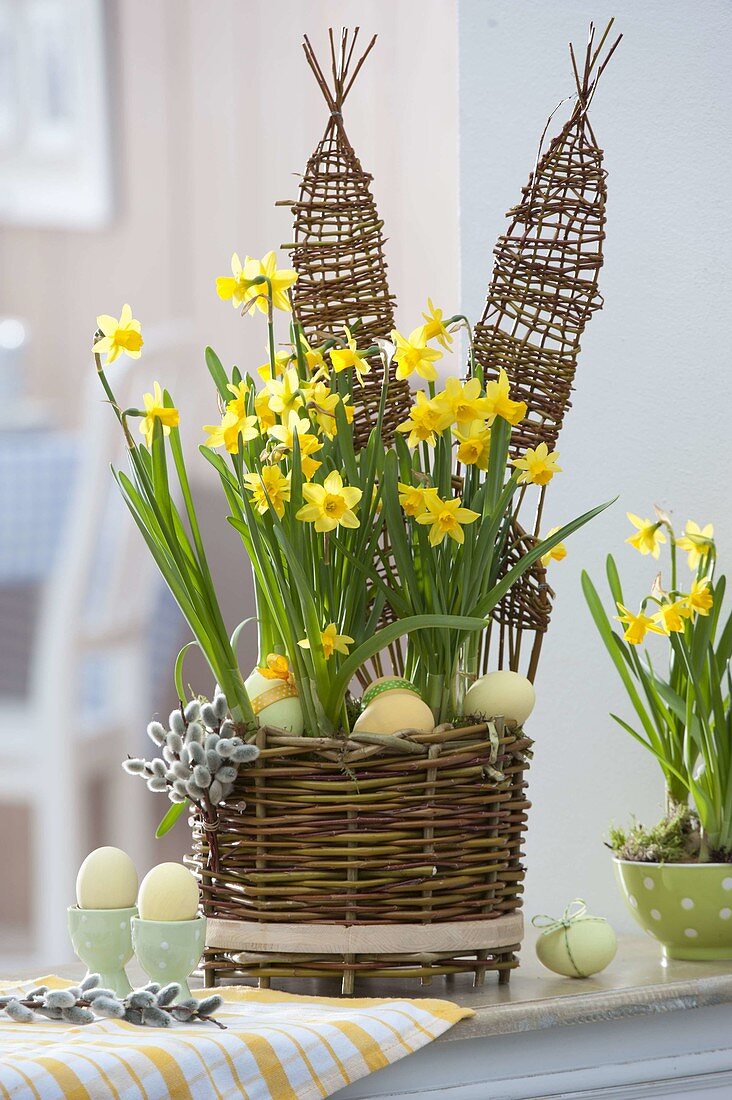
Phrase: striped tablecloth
(276, 1046)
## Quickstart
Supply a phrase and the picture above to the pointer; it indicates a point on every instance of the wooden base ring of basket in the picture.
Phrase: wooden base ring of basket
(398, 950)
(382, 857)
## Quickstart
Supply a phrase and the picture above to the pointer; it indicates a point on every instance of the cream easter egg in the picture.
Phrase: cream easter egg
(584, 947)
(391, 705)
(502, 694)
(107, 879)
(168, 892)
(275, 702)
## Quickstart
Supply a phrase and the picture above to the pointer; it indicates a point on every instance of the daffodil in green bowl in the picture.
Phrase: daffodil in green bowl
(676, 875)
(687, 907)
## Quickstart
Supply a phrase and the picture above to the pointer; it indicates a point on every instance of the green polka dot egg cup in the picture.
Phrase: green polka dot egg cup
(169, 950)
(102, 939)
(687, 907)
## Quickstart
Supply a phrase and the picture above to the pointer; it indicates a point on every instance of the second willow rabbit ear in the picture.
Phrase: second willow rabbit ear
(543, 291)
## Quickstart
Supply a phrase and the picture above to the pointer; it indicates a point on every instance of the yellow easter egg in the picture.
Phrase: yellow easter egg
(168, 892)
(584, 947)
(275, 703)
(107, 879)
(502, 694)
(394, 711)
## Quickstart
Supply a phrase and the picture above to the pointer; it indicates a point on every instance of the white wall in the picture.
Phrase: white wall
(650, 415)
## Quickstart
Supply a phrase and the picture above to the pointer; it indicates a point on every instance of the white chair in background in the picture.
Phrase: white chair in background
(98, 606)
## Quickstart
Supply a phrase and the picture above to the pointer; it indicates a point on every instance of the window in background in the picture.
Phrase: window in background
(54, 120)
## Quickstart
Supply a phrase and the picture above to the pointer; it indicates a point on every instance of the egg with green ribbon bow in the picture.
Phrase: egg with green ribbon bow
(391, 704)
(577, 944)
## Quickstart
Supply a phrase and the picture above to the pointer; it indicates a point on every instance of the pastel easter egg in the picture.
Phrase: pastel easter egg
(503, 693)
(284, 712)
(583, 948)
(168, 892)
(107, 879)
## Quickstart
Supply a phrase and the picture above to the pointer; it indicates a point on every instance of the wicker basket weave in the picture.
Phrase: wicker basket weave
(399, 858)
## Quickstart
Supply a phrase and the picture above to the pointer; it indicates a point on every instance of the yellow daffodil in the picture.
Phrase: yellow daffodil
(412, 354)
(700, 599)
(269, 488)
(637, 625)
(350, 356)
(119, 336)
(331, 504)
(425, 419)
(331, 641)
(462, 403)
(474, 445)
(156, 410)
(321, 404)
(238, 402)
(309, 444)
(697, 541)
(316, 364)
(267, 417)
(500, 404)
(557, 553)
(670, 616)
(282, 361)
(538, 465)
(277, 668)
(237, 286)
(226, 434)
(648, 536)
(280, 279)
(284, 393)
(434, 328)
(446, 517)
(413, 498)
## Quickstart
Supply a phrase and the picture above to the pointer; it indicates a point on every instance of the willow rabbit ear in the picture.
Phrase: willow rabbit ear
(338, 244)
(542, 293)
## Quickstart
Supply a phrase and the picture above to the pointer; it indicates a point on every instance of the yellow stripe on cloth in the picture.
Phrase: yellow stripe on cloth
(276, 1046)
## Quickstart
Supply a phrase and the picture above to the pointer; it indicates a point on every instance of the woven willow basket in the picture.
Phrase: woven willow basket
(372, 856)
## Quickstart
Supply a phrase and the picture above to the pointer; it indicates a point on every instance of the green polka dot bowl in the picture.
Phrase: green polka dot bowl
(687, 907)
(169, 950)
